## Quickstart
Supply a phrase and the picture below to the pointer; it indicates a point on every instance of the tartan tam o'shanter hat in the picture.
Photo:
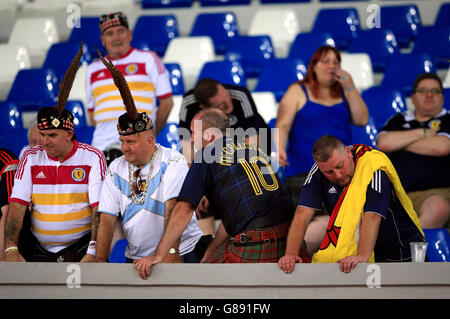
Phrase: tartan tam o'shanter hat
(58, 117)
(112, 20)
(132, 121)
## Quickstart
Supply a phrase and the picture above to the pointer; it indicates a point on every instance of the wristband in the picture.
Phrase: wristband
(92, 249)
(12, 248)
(424, 132)
(350, 88)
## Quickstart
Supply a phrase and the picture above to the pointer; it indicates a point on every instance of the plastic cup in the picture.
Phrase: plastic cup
(418, 251)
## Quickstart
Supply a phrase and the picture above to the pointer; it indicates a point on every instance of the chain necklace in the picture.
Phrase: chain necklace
(132, 179)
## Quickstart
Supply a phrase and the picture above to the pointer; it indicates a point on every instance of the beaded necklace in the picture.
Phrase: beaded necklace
(133, 180)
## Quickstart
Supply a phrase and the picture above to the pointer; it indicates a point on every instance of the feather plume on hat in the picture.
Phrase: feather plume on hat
(132, 121)
(58, 117)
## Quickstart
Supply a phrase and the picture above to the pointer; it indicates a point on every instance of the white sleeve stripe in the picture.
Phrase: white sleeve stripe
(311, 173)
(376, 181)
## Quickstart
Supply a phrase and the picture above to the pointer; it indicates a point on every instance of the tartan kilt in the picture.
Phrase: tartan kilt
(258, 253)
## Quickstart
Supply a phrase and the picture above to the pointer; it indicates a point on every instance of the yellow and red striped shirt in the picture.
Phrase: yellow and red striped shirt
(62, 193)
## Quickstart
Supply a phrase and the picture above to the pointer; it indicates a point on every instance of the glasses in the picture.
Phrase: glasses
(135, 185)
(425, 91)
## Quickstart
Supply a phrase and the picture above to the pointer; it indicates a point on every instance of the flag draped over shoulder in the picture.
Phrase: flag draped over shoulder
(342, 236)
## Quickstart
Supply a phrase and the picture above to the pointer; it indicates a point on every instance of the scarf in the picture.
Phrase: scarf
(342, 236)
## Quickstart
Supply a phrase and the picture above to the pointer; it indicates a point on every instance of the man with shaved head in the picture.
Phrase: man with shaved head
(241, 188)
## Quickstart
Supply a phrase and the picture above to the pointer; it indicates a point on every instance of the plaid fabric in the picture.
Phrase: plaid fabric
(260, 253)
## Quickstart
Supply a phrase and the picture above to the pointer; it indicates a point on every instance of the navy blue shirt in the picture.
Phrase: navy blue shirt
(239, 183)
(420, 172)
(396, 229)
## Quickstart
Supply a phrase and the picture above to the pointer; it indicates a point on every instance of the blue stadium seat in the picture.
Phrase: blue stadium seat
(403, 20)
(84, 134)
(220, 26)
(176, 78)
(447, 98)
(89, 33)
(438, 249)
(155, 32)
(305, 44)
(226, 72)
(366, 134)
(152, 4)
(282, 1)
(77, 109)
(13, 135)
(33, 89)
(61, 54)
(10, 116)
(436, 42)
(341, 23)
(402, 70)
(383, 103)
(213, 3)
(169, 137)
(277, 75)
(253, 52)
(443, 15)
(117, 254)
(380, 44)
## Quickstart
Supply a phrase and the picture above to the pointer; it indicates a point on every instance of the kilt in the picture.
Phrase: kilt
(265, 245)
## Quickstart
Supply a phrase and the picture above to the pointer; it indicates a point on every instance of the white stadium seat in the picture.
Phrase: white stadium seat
(14, 58)
(359, 66)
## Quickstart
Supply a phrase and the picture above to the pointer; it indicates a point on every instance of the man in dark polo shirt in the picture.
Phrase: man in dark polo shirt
(418, 144)
(235, 101)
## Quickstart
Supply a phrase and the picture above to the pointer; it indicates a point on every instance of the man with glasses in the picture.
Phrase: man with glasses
(146, 75)
(418, 143)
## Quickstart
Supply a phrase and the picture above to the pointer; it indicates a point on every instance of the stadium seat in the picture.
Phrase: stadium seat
(219, 26)
(176, 78)
(155, 31)
(88, 32)
(168, 137)
(10, 116)
(213, 3)
(252, 51)
(380, 44)
(174, 116)
(13, 135)
(77, 109)
(266, 104)
(438, 240)
(37, 34)
(446, 83)
(8, 15)
(282, 1)
(78, 91)
(366, 134)
(154, 4)
(226, 72)
(191, 53)
(443, 15)
(14, 59)
(277, 75)
(383, 103)
(117, 254)
(403, 20)
(305, 44)
(434, 41)
(60, 55)
(34, 88)
(99, 7)
(281, 25)
(360, 68)
(402, 69)
(447, 99)
(84, 134)
(341, 23)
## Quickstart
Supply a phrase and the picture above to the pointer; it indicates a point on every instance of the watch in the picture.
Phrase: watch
(173, 251)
